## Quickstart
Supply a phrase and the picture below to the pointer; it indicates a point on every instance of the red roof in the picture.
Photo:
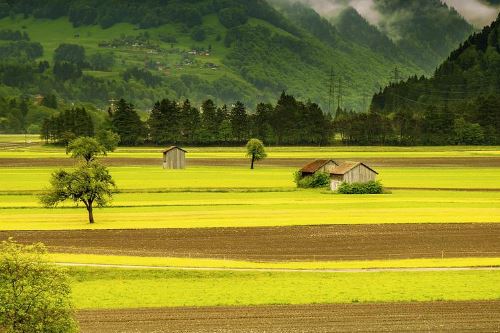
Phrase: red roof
(348, 166)
(316, 165)
(172, 148)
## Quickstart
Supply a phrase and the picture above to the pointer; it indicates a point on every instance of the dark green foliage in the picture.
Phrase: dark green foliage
(141, 74)
(293, 49)
(210, 121)
(233, 16)
(352, 26)
(459, 104)
(239, 122)
(67, 125)
(82, 14)
(21, 49)
(317, 180)
(425, 31)
(101, 61)
(50, 101)
(127, 124)
(372, 187)
(309, 20)
(174, 123)
(198, 34)
(65, 71)
(71, 53)
(16, 35)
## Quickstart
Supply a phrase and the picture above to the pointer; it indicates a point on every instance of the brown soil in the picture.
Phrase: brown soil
(335, 242)
(284, 162)
(480, 316)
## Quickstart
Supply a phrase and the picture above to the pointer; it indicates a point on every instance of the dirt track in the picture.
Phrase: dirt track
(390, 317)
(284, 162)
(335, 242)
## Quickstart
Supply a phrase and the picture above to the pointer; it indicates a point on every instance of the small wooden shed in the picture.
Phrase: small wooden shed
(340, 172)
(351, 172)
(174, 158)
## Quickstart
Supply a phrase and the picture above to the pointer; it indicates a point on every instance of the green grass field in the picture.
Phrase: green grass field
(252, 209)
(238, 197)
(150, 197)
(116, 288)
(39, 151)
(149, 178)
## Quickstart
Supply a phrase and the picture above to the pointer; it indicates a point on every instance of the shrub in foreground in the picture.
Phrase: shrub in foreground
(373, 187)
(317, 180)
(35, 294)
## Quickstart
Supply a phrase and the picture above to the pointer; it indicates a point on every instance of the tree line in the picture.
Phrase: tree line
(288, 122)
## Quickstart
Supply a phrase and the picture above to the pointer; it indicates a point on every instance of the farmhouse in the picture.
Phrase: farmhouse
(174, 158)
(341, 172)
(351, 172)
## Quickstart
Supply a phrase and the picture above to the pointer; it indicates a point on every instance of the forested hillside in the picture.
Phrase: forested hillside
(55, 53)
(459, 104)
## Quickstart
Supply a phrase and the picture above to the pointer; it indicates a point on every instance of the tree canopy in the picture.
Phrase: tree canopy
(256, 151)
(35, 295)
(90, 184)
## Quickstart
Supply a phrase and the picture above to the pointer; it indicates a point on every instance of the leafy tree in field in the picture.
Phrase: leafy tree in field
(256, 151)
(90, 184)
(35, 295)
(108, 139)
(86, 148)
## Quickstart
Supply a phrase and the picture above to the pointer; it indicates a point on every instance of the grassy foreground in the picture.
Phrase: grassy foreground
(219, 263)
(116, 288)
(247, 209)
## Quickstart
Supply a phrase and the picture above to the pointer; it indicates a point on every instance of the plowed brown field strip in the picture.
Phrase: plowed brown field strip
(390, 317)
(335, 242)
(283, 162)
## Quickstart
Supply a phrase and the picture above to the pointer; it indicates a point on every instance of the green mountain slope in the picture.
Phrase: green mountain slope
(462, 98)
(225, 50)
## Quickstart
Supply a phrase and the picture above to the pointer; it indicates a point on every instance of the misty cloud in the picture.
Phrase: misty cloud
(475, 11)
(331, 8)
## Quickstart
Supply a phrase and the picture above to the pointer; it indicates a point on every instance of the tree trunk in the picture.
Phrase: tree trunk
(91, 214)
(253, 160)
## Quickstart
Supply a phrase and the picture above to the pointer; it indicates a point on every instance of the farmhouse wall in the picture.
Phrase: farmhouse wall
(174, 159)
(359, 174)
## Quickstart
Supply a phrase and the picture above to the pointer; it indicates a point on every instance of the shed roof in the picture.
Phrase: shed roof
(316, 165)
(172, 148)
(348, 166)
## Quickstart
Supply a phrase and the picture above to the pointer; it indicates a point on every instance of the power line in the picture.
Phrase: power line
(340, 93)
(331, 93)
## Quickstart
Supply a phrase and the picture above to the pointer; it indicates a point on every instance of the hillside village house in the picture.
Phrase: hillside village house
(341, 172)
(174, 158)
